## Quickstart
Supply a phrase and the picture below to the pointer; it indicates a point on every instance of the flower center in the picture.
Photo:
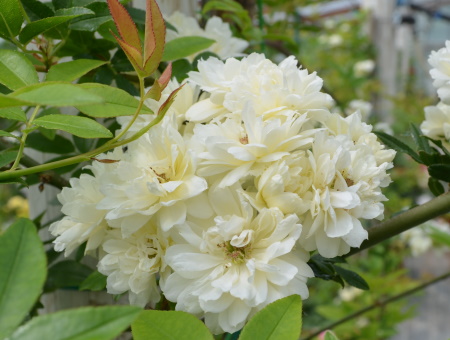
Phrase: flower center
(244, 140)
(235, 254)
(162, 175)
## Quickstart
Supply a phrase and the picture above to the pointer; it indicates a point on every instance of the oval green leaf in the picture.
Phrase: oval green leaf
(116, 102)
(397, 145)
(13, 113)
(10, 18)
(281, 319)
(183, 47)
(66, 274)
(7, 134)
(40, 26)
(90, 24)
(352, 278)
(8, 101)
(440, 172)
(56, 94)
(59, 145)
(76, 125)
(169, 325)
(22, 274)
(72, 70)
(16, 70)
(94, 282)
(7, 157)
(87, 323)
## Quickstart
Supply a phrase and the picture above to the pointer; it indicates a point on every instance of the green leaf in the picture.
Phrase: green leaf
(59, 145)
(435, 186)
(73, 11)
(8, 101)
(83, 144)
(281, 319)
(94, 282)
(47, 133)
(120, 62)
(116, 102)
(37, 10)
(420, 140)
(56, 94)
(126, 85)
(13, 113)
(7, 134)
(10, 18)
(440, 171)
(90, 24)
(15, 181)
(86, 323)
(40, 26)
(72, 70)
(352, 278)
(180, 69)
(440, 236)
(22, 274)
(329, 335)
(7, 157)
(397, 145)
(169, 325)
(440, 145)
(65, 274)
(78, 126)
(16, 70)
(183, 47)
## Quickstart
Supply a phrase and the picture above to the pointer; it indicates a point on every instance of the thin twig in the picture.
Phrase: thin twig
(51, 177)
(407, 220)
(378, 304)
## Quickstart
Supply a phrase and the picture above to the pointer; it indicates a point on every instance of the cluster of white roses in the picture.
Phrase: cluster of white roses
(437, 118)
(219, 206)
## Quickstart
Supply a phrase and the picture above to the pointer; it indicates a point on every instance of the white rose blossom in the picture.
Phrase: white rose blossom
(228, 268)
(235, 150)
(440, 61)
(330, 187)
(437, 123)
(156, 175)
(83, 221)
(272, 90)
(131, 264)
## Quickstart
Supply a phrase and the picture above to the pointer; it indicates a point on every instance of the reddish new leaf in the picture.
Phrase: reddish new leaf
(154, 92)
(166, 105)
(165, 77)
(125, 25)
(155, 36)
(134, 56)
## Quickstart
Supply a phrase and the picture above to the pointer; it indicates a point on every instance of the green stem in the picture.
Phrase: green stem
(7, 175)
(24, 138)
(378, 304)
(402, 222)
